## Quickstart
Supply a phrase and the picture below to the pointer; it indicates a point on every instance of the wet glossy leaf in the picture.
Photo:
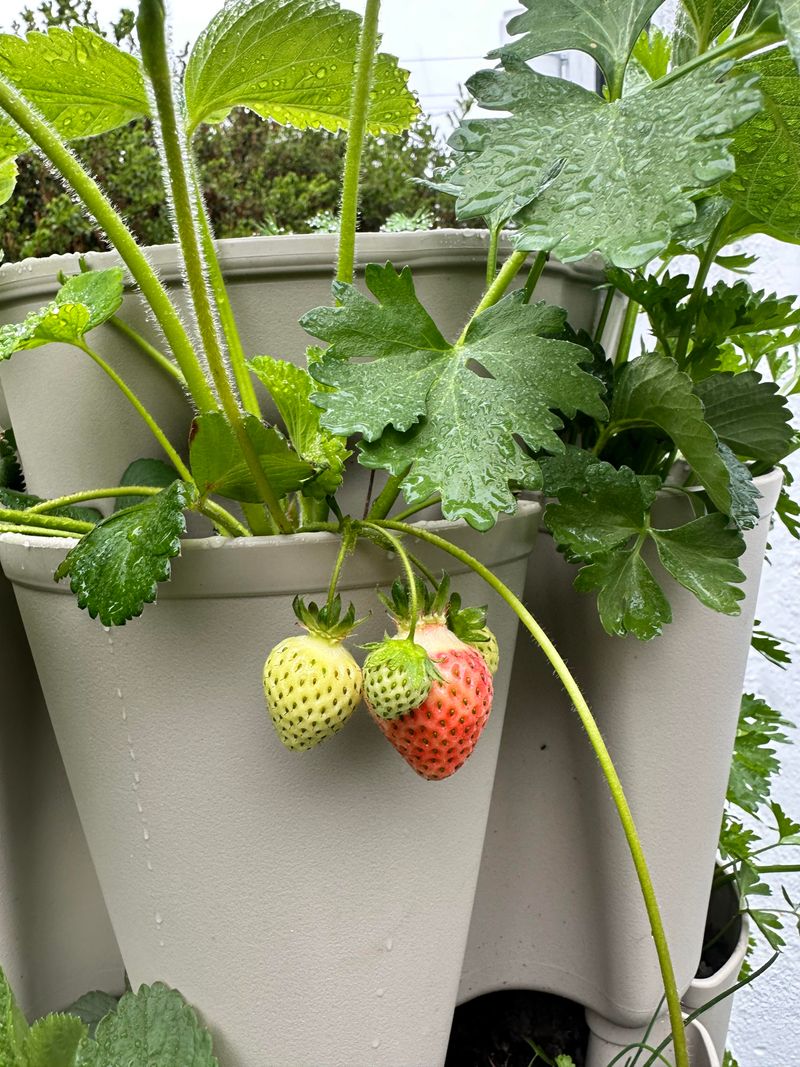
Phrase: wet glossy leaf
(767, 150)
(755, 762)
(614, 193)
(92, 1008)
(652, 391)
(290, 61)
(152, 1028)
(115, 569)
(152, 472)
(79, 81)
(744, 492)
(82, 303)
(711, 17)
(701, 557)
(450, 413)
(291, 388)
(748, 414)
(8, 179)
(53, 1041)
(783, 15)
(219, 467)
(629, 599)
(605, 29)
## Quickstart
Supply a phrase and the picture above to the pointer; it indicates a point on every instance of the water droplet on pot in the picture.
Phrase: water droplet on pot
(379, 992)
(389, 944)
(146, 834)
(376, 1042)
(159, 918)
(119, 693)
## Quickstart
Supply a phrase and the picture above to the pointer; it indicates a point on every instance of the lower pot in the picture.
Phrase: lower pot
(56, 940)
(704, 990)
(607, 1041)
(313, 907)
(558, 907)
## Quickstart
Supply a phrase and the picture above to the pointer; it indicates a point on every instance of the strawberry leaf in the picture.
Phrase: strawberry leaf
(291, 388)
(152, 472)
(13, 1027)
(700, 555)
(79, 81)
(219, 467)
(81, 304)
(605, 29)
(152, 1028)
(92, 1008)
(53, 1041)
(447, 416)
(8, 179)
(652, 391)
(755, 763)
(767, 151)
(629, 599)
(614, 194)
(711, 17)
(290, 61)
(115, 569)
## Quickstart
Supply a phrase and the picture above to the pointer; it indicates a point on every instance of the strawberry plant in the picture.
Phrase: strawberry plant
(689, 147)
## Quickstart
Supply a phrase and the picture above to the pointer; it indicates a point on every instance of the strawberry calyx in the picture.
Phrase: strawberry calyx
(431, 603)
(467, 623)
(326, 620)
(398, 674)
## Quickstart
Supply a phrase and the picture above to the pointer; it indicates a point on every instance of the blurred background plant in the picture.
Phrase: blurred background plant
(260, 178)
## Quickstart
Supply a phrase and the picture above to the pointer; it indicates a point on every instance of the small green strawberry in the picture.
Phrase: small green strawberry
(397, 677)
(311, 682)
(470, 625)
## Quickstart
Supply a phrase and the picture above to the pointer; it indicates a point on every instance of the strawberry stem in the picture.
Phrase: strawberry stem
(410, 576)
(604, 758)
(344, 548)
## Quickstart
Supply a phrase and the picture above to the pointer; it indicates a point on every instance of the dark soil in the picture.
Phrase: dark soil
(494, 1030)
(723, 925)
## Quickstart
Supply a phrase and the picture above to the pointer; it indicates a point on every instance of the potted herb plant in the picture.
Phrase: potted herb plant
(165, 722)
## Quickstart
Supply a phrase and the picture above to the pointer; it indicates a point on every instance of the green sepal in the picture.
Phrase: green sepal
(324, 621)
(468, 624)
(53, 1041)
(405, 657)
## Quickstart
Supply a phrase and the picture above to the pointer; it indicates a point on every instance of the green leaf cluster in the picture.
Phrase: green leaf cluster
(152, 1028)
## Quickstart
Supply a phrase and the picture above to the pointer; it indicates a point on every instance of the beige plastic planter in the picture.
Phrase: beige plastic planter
(607, 1041)
(314, 907)
(702, 991)
(558, 907)
(56, 941)
(76, 431)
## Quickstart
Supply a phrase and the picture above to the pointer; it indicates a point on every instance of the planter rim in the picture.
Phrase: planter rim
(295, 253)
(212, 567)
(728, 972)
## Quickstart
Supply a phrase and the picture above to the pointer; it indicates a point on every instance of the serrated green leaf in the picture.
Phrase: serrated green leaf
(744, 491)
(611, 511)
(748, 414)
(565, 470)
(152, 1028)
(8, 179)
(770, 647)
(10, 469)
(115, 569)
(782, 14)
(220, 468)
(79, 81)
(153, 472)
(737, 841)
(711, 17)
(614, 194)
(767, 150)
(788, 511)
(770, 925)
(18, 501)
(291, 387)
(290, 61)
(53, 1041)
(629, 599)
(788, 830)
(652, 391)
(605, 29)
(652, 52)
(13, 1027)
(755, 763)
(700, 556)
(92, 1008)
(81, 304)
(450, 413)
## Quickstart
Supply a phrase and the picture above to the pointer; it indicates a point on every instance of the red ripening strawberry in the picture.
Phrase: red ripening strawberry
(439, 735)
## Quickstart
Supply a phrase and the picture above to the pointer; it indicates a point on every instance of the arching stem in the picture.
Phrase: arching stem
(402, 555)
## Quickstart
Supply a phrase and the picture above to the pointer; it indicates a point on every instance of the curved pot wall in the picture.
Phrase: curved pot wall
(558, 907)
(61, 405)
(56, 941)
(313, 907)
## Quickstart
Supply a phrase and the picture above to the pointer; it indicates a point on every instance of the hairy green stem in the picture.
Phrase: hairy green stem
(403, 556)
(149, 350)
(384, 501)
(344, 548)
(429, 503)
(534, 274)
(606, 764)
(510, 269)
(602, 322)
(134, 400)
(17, 517)
(491, 259)
(152, 38)
(50, 143)
(359, 110)
(626, 333)
(733, 48)
(698, 294)
(225, 310)
(34, 531)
